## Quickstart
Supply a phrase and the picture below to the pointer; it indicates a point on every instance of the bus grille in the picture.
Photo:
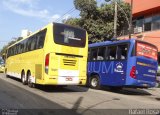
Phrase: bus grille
(69, 62)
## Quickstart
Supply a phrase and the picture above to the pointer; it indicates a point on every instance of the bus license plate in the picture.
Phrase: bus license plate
(69, 79)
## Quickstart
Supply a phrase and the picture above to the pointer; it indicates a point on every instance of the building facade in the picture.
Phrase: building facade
(146, 21)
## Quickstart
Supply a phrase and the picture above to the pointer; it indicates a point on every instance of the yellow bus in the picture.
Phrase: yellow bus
(54, 55)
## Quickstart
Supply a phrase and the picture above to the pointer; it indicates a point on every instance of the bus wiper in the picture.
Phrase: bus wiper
(78, 39)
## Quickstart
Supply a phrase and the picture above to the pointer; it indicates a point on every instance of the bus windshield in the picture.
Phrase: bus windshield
(147, 50)
(68, 35)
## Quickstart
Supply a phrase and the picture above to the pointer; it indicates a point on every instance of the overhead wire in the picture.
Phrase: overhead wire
(69, 12)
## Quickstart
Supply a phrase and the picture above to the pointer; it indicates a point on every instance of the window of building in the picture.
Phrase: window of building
(147, 26)
(156, 22)
(140, 22)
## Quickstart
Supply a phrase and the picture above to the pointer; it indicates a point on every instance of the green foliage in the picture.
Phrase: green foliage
(99, 20)
(86, 7)
(72, 21)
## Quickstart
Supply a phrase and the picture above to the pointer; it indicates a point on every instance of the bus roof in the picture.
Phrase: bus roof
(109, 42)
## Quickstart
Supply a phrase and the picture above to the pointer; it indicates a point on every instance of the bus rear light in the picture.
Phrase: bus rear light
(47, 63)
(133, 72)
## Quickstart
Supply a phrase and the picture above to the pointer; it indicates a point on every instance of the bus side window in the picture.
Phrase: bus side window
(101, 53)
(21, 47)
(122, 51)
(29, 44)
(94, 54)
(38, 42)
(18, 48)
(8, 52)
(40, 39)
(14, 50)
(112, 50)
(25, 46)
(33, 43)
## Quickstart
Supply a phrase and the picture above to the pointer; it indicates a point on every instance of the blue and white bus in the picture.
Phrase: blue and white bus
(125, 63)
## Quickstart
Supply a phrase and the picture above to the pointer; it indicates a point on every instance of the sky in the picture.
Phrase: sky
(16, 15)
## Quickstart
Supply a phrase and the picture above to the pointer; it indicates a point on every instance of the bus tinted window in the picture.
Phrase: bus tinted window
(112, 50)
(40, 39)
(33, 43)
(94, 54)
(97, 53)
(25, 46)
(101, 53)
(122, 51)
(147, 50)
(68, 35)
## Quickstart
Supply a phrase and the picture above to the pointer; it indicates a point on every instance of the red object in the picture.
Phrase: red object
(47, 61)
(133, 72)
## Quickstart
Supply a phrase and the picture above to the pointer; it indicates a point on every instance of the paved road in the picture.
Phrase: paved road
(82, 100)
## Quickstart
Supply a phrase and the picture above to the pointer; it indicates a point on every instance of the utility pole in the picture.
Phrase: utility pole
(130, 25)
(115, 19)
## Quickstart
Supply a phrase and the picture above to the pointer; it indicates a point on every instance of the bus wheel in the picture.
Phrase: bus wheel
(94, 82)
(23, 79)
(30, 84)
(7, 76)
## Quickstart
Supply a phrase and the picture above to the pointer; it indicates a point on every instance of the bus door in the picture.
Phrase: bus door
(146, 64)
(117, 56)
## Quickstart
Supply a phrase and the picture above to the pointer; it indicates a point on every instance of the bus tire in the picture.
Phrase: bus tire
(30, 84)
(24, 82)
(7, 76)
(94, 82)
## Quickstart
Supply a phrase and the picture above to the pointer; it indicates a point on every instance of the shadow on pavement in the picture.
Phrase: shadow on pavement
(128, 91)
(40, 105)
(54, 88)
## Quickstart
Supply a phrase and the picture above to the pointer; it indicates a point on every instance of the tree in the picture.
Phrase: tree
(99, 20)
(72, 21)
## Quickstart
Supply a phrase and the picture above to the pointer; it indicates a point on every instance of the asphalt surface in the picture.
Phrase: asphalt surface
(80, 100)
